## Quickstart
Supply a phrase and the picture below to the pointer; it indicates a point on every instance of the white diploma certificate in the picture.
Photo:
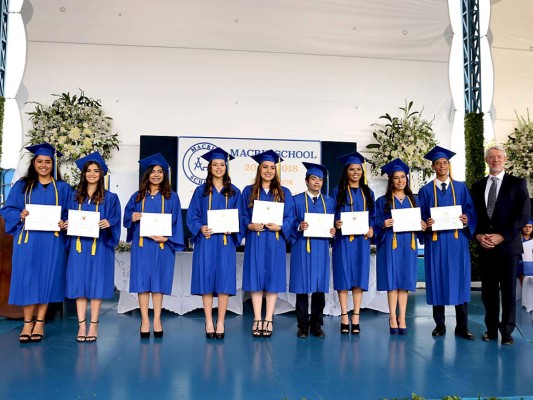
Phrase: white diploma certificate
(156, 224)
(42, 218)
(319, 225)
(267, 212)
(446, 218)
(222, 221)
(528, 251)
(406, 219)
(354, 223)
(83, 223)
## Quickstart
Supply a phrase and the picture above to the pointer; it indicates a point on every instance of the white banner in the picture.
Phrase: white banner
(192, 168)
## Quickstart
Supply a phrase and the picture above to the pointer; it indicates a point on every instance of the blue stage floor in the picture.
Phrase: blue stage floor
(185, 365)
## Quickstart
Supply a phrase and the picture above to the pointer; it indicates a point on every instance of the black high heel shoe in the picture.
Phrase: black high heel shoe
(267, 328)
(144, 335)
(92, 338)
(24, 337)
(209, 335)
(356, 330)
(81, 339)
(159, 334)
(345, 328)
(256, 331)
(37, 337)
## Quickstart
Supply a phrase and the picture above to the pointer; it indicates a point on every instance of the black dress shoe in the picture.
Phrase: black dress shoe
(158, 334)
(302, 332)
(318, 332)
(489, 337)
(507, 339)
(440, 330)
(465, 334)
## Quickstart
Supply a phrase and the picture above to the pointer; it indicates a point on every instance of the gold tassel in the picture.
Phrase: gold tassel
(277, 235)
(351, 238)
(434, 236)
(413, 244)
(78, 245)
(141, 241)
(26, 238)
(394, 241)
(93, 248)
(161, 245)
(56, 234)
(20, 236)
(456, 234)
(308, 245)
(225, 240)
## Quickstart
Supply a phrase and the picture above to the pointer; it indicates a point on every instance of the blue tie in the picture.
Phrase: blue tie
(443, 188)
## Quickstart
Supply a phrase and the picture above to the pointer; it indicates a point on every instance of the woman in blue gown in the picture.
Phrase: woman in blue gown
(310, 261)
(396, 251)
(91, 261)
(152, 257)
(351, 253)
(526, 236)
(265, 249)
(214, 261)
(39, 257)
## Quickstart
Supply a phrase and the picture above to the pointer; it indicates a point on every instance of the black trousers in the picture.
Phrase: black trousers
(461, 316)
(318, 302)
(498, 276)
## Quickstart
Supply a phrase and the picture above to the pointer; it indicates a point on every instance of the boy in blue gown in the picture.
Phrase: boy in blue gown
(310, 259)
(447, 253)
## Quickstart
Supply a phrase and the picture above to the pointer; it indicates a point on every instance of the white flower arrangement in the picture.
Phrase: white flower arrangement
(75, 126)
(409, 137)
(519, 148)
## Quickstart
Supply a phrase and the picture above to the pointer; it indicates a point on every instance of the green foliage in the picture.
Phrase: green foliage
(475, 154)
(76, 126)
(475, 170)
(123, 247)
(408, 137)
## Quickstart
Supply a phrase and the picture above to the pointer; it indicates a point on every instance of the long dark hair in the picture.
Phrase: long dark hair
(98, 195)
(275, 188)
(164, 186)
(226, 181)
(344, 184)
(32, 177)
(390, 191)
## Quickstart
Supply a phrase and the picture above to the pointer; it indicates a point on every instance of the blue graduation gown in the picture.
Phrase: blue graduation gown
(447, 260)
(395, 268)
(214, 265)
(38, 275)
(351, 260)
(309, 271)
(93, 276)
(152, 268)
(264, 254)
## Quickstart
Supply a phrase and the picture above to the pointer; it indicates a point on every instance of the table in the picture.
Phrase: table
(181, 301)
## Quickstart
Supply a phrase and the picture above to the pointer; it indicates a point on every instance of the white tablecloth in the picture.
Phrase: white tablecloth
(527, 293)
(181, 301)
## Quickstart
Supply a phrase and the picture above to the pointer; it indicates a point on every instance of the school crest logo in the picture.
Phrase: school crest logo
(194, 166)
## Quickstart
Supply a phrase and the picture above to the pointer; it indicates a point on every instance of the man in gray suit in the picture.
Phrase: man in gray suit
(503, 207)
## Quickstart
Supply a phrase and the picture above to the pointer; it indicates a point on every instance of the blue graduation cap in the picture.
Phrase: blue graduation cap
(530, 222)
(315, 169)
(438, 152)
(217, 154)
(394, 166)
(352, 158)
(269, 155)
(44, 149)
(154, 159)
(95, 157)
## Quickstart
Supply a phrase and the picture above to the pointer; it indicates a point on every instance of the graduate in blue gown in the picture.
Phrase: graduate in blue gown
(351, 253)
(39, 257)
(152, 257)
(214, 261)
(526, 236)
(397, 252)
(265, 247)
(447, 253)
(310, 261)
(91, 261)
